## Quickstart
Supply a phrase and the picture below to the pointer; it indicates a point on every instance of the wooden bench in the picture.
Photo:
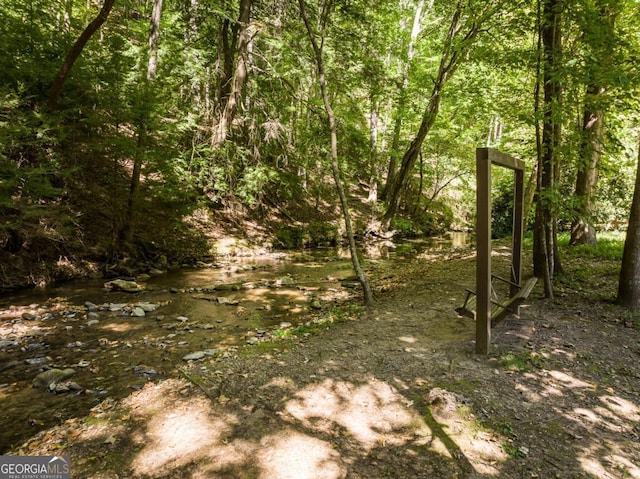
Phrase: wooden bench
(500, 310)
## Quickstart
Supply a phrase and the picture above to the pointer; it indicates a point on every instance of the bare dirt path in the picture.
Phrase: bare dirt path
(394, 392)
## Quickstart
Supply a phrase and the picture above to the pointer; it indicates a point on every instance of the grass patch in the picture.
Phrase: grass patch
(335, 315)
(523, 362)
(609, 247)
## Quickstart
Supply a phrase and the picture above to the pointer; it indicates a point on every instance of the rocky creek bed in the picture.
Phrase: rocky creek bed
(393, 392)
(135, 331)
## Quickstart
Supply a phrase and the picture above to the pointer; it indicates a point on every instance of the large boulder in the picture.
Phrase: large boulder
(48, 379)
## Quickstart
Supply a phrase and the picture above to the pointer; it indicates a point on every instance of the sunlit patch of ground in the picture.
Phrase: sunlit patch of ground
(358, 401)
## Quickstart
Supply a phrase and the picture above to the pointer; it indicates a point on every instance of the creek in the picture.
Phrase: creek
(202, 312)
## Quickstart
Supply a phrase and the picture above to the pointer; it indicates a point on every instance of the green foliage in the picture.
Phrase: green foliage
(609, 247)
(436, 219)
(502, 207)
(65, 175)
(522, 362)
(403, 227)
(315, 233)
(323, 233)
(290, 237)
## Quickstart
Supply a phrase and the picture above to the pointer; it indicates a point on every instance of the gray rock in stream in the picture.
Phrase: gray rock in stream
(194, 356)
(138, 312)
(65, 386)
(45, 379)
(90, 306)
(123, 285)
(147, 307)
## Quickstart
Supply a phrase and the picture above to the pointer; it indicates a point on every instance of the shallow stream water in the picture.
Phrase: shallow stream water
(213, 310)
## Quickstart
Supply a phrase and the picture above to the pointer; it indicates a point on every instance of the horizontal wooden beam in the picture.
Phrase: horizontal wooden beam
(498, 158)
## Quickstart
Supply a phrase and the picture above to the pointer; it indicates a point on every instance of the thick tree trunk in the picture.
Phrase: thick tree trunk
(546, 261)
(75, 51)
(629, 283)
(239, 76)
(597, 35)
(583, 230)
(335, 163)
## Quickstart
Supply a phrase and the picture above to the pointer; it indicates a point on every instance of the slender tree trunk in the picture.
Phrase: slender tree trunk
(128, 226)
(75, 51)
(402, 100)
(373, 152)
(239, 76)
(530, 192)
(335, 163)
(629, 283)
(454, 50)
(226, 51)
(546, 260)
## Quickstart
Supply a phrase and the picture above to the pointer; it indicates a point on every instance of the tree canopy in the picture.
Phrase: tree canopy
(102, 160)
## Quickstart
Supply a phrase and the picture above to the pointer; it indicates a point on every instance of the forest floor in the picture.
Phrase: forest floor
(396, 391)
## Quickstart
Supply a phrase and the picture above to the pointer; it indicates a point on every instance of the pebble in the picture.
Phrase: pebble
(91, 306)
(138, 312)
(93, 322)
(182, 319)
(33, 361)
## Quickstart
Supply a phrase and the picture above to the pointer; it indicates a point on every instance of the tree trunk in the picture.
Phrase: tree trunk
(239, 76)
(597, 35)
(226, 51)
(529, 193)
(402, 101)
(373, 152)
(546, 262)
(128, 225)
(335, 163)
(629, 283)
(75, 51)
(582, 229)
(454, 51)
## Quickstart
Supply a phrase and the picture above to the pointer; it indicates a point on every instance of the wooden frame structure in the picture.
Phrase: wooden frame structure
(485, 157)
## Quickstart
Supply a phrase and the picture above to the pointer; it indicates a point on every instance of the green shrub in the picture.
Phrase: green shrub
(290, 237)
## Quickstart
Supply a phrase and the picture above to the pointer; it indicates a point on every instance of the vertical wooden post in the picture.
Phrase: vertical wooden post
(483, 244)
(518, 230)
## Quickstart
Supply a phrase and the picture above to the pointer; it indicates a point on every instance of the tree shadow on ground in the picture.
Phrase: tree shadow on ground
(359, 401)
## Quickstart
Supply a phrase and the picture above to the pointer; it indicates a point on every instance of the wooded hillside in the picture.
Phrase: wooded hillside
(133, 130)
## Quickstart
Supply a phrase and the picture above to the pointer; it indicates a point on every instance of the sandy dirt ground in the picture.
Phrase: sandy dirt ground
(392, 392)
